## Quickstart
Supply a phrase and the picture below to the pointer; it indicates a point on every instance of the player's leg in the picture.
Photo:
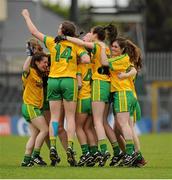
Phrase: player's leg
(39, 131)
(140, 161)
(70, 108)
(81, 119)
(40, 123)
(112, 138)
(92, 141)
(122, 101)
(47, 117)
(109, 133)
(91, 135)
(29, 146)
(62, 131)
(119, 137)
(70, 91)
(82, 138)
(118, 146)
(100, 95)
(55, 103)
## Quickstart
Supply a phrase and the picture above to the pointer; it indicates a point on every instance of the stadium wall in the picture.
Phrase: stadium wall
(16, 125)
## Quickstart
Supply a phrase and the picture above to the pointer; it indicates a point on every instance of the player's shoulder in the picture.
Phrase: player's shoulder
(48, 38)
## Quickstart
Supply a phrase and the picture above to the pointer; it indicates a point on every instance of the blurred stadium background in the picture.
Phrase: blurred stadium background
(147, 23)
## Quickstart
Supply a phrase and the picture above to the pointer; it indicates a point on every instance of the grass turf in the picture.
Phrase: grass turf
(157, 150)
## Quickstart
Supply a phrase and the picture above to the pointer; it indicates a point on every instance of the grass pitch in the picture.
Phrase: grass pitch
(156, 148)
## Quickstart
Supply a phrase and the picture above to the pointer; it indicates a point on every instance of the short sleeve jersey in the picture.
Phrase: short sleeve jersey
(96, 55)
(33, 88)
(85, 71)
(63, 57)
(117, 65)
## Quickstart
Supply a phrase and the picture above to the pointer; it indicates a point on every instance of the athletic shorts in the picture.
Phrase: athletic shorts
(124, 101)
(62, 88)
(84, 106)
(30, 112)
(137, 112)
(100, 91)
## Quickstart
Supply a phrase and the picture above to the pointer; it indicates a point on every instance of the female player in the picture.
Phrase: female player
(100, 86)
(36, 47)
(62, 84)
(84, 123)
(33, 70)
(126, 55)
(140, 161)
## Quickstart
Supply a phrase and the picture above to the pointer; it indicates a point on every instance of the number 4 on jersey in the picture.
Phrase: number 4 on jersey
(66, 54)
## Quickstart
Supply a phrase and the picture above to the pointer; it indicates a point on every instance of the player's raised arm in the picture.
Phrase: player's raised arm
(32, 28)
(80, 42)
(27, 64)
(29, 52)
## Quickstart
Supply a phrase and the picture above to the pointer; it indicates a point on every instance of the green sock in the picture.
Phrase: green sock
(53, 141)
(84, 148)
(129, 147)
(103, 145)
(27, 158)
(70, 143)
(36, 152)
(139, 155)
(93, 149)
(116, 149)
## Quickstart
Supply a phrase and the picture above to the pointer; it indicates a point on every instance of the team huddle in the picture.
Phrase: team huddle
(80, 80)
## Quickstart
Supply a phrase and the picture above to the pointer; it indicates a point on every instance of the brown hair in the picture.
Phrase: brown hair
(132, 50)
(69, 29)
(100, 31)
(37, 57)
(34, 43)
(112, 32)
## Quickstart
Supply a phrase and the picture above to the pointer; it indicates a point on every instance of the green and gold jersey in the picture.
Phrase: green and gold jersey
(96, 55)
(117, 65)
(85, 71)
(63, 57)
(33, 88)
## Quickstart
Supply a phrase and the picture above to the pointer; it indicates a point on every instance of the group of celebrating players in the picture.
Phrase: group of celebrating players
(80, 80)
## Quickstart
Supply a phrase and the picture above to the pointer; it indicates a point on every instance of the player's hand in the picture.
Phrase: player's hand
(122, 75)
(25, 13)
(29, 49)
(60, 38)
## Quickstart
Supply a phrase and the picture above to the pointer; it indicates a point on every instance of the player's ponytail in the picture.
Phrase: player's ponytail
(112, 32)
(100, 31)
(134, 53)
